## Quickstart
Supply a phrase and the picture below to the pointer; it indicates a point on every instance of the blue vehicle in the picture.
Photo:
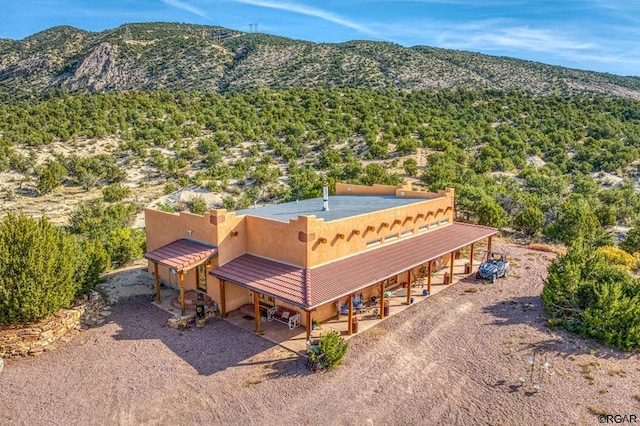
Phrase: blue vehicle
(494, 267)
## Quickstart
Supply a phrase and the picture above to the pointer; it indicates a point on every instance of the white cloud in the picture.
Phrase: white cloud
(310, 11)
(184, 6)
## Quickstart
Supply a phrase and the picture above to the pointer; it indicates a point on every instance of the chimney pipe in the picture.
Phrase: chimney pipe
(325, 198)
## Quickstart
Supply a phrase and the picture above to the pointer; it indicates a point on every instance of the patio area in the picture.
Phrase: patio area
(296, 340)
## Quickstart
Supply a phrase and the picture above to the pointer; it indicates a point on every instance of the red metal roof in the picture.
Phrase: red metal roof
(309, 288)
(269, 277)
(181, 254)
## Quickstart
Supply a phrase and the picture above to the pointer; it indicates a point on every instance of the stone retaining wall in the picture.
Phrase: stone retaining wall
(36, 338)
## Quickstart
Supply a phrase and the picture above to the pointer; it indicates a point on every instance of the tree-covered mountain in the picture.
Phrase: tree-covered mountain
(185, 57)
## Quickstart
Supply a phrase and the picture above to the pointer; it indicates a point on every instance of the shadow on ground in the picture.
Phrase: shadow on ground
(217, 346)
(529, 310)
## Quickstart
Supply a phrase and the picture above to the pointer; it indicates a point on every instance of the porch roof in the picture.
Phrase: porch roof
(311, 287)
(181, 254)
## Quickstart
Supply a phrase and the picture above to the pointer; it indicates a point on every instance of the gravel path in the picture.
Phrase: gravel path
(456, 358)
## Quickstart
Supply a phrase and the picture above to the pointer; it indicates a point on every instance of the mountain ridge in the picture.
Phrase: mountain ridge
(190, 57)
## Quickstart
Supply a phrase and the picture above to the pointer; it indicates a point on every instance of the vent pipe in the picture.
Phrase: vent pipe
(325, 198)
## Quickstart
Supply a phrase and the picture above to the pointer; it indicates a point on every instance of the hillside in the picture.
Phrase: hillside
(185, 57)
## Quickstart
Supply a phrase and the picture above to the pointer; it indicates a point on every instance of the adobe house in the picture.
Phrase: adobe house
(306, 258)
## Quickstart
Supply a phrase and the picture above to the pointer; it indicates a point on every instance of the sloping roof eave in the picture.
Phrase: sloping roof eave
(181, 254)
(313, 287)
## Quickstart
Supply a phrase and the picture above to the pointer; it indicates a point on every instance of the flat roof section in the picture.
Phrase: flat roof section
(340, 207)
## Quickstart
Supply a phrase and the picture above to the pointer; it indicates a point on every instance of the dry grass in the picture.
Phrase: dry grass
(617, 372)
(559, 250)
(587, 370)
(599, 411)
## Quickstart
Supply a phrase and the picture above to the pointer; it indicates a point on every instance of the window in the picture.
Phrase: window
(423, 228)
(443, 221)
(391, 237)
(265, 300)
(374, 242)
(408, 232)
(433, 224)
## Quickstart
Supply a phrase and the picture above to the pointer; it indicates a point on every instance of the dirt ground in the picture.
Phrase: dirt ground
(459, 357)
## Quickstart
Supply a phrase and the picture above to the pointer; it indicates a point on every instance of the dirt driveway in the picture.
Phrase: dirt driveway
(456, 358)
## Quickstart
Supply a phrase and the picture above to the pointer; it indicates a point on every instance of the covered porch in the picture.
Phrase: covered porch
(425, 263)
(296, 340)
(180, 257)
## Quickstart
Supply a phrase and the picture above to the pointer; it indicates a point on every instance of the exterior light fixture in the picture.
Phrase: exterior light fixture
(322, 240)
(397, 222)
(385, 225)
(420, 215)
(340, 236)
(234, 233)
(371, 228)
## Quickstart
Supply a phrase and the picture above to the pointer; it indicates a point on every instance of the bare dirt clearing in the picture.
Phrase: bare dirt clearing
(455, 358)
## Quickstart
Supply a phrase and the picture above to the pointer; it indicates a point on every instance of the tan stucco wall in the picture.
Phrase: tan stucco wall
(236, 235)
(277, 240)
(385, 228)
(163, 228)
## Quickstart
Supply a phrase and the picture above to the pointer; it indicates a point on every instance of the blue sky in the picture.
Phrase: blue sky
(597, 35)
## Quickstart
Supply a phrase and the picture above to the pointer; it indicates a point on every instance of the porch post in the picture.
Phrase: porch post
(471, 259)
(382, 289)
(489, 244)
(256, 307)
(223, 302)
(429, 277)
(453, 259)
(349, 327)
(308, 324)
(409, 288)
(157, 277)
(181, 283)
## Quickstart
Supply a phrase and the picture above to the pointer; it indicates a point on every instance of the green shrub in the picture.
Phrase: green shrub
(411, 166)
(198, 205)
(529, 221)
(115, 192)
(229, 203)
(125, 245)
(169, 188)
(38, 265)
(631, 244)
(585, 294)
(333, 347)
